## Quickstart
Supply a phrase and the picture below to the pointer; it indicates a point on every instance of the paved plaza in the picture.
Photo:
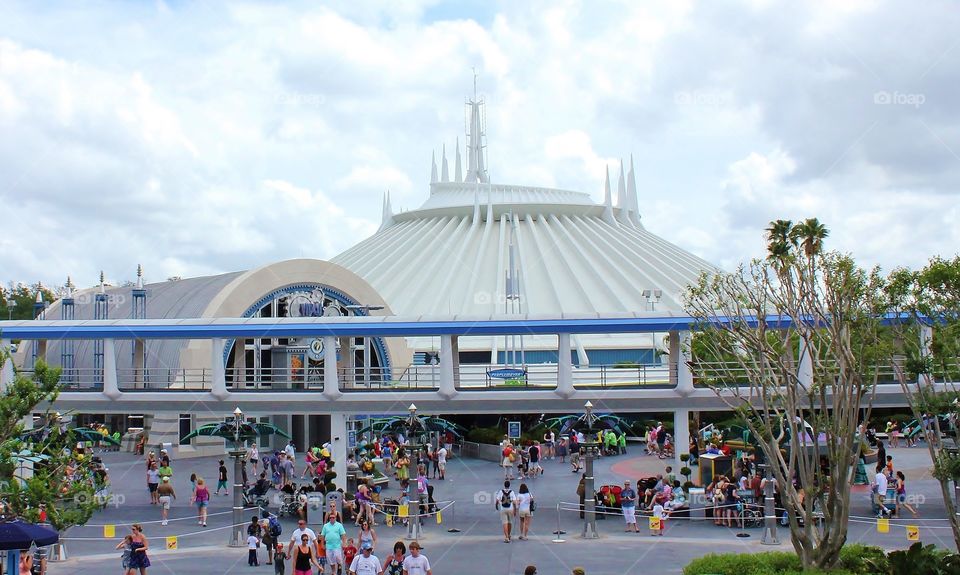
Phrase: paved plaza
(478, 547)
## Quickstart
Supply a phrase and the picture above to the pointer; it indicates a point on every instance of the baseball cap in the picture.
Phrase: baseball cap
(366, 547)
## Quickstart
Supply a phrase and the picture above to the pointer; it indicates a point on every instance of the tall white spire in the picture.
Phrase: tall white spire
(139, 276)
(632, 195)
(608, 201)
(445, 171)
(476, 204)
(476, 164)
(433, 167)
(624, 209)
(102, 283)
(386, 219)
(458, 174)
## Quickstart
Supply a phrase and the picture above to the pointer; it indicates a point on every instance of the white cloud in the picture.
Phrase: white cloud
(206, 137)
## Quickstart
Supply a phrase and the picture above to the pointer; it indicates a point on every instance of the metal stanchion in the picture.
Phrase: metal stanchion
(742, 533)
(453, 526)
(558, 532)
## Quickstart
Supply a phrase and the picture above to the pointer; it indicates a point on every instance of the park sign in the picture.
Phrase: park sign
(507, 373)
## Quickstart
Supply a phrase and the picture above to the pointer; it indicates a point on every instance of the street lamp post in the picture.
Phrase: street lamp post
(11, 303)
(414, 530)
(590, 448)
(237, 538)
(769, 510)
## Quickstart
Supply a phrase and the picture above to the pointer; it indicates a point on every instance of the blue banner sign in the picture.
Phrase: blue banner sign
(507, 373)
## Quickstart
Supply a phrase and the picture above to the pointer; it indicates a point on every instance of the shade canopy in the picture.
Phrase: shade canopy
(601, 421)
(228, 430)
(19, 534)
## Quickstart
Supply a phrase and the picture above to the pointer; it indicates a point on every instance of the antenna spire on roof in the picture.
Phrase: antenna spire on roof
(386, 219)
(139, 276)
(458, 174)
(622, 205)
(608, 200)
(445, 171)
(102, 280)
(632, 199)
(433, 167)
(476, 164)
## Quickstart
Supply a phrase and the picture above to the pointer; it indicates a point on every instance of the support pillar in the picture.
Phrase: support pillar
(6, 370)
(589, 487)
(218, 385)
(349, 362)
(565, 387)
(338, 447)
(680, 374)
(681, 435)
(769, 511)
(805, 368)
(449, 368)
(331, 381)
(111, 387)
(926, 340)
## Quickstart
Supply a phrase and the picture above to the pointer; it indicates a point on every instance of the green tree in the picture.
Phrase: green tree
(799, 379)
(23, 296)
(59, 481)
(926, 357)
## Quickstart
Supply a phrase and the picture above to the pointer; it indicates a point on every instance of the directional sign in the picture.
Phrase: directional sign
(913, 533)
(172, 543)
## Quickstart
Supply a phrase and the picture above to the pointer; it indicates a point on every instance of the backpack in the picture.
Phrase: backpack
(275, 528)
(507, 452)
(506, 499)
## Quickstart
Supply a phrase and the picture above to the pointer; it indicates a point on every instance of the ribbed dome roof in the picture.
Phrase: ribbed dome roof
(452, 256)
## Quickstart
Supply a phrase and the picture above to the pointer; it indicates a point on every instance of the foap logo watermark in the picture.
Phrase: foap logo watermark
(884, 98)
(306, 99)
(88, 297)
(701, 98)
(487, 298)
(482, 498)
(102, 499)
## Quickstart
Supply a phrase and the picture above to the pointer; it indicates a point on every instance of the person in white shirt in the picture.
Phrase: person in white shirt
(299, 531)
(880, 481)
(415, 563)
(366, 563)
(525, 510)
(442, 461)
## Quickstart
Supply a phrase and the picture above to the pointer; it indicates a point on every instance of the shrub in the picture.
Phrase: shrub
(684, 457)
(865, 559)
(769, 563)
(489, 435)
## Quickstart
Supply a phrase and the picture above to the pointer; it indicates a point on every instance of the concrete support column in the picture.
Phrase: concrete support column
(139, 377)
(111, 387)
(449, 367)
(338, 447)
(805, 368)
(218, 384)
(926, 340)
(331, 382)
(682, 353)
(681, 435)
(349, 362)
(565, 387)
(6, 370)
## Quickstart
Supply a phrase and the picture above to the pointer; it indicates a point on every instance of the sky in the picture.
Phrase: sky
(203, 137)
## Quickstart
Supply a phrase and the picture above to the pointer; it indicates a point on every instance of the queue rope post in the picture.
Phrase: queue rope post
(743, 533)
(558, 532)
(453, 519)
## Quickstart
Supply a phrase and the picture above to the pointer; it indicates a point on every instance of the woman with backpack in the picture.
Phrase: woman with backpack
(509, 456)
(270, 531)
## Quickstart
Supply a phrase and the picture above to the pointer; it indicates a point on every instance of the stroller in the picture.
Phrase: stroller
(252, 497)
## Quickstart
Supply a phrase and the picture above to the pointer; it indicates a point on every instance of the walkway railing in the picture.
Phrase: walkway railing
(470, 377)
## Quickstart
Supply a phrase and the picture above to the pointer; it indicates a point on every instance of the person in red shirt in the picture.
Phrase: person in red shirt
(349, 552)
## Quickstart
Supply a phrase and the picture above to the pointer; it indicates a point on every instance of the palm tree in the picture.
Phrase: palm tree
(809, 233)
(780, 240)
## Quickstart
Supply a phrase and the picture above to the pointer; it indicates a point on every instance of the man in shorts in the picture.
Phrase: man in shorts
(335, 539)
(166, 495)
(628, 498)
(442, 461)
(506, 502)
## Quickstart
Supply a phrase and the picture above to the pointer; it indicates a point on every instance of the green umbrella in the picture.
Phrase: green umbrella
(601, 420)
(401, 424)
(228, 430)
(87, 434)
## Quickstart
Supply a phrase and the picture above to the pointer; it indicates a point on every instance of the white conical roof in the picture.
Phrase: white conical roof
(571, 260)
